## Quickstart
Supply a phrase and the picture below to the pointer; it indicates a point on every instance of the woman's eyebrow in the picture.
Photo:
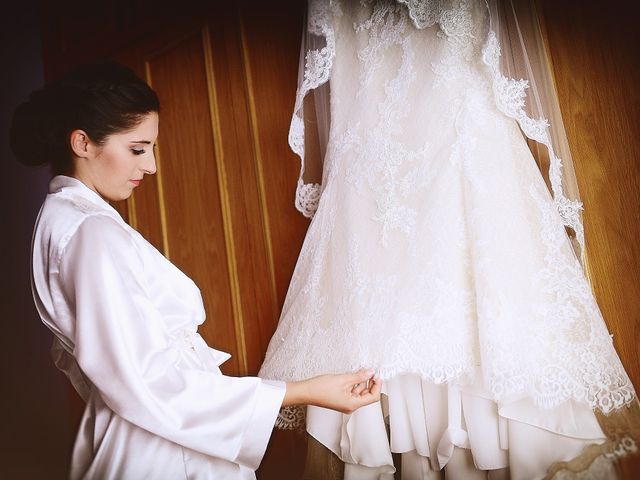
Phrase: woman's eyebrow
(146, 142)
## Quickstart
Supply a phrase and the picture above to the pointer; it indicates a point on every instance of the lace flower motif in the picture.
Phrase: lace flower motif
(318, 65)
(510, 95)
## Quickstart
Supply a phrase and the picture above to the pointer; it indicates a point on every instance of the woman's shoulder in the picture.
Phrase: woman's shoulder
(62, 217)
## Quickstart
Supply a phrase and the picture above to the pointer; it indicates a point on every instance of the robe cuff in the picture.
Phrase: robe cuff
(269, 397)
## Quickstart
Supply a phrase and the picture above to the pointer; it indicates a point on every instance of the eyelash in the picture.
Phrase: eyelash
(140, 152)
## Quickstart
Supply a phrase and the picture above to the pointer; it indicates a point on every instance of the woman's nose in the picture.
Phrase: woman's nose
(149, 165)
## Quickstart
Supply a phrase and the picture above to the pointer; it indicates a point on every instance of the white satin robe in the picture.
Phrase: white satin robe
(125, 321)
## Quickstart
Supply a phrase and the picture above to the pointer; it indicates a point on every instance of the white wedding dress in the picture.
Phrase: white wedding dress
(438, 257)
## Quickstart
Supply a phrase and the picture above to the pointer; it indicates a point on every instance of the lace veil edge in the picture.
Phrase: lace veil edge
(516, 53)
(309, 129)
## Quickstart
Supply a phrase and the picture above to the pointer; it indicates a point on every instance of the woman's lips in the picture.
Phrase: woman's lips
(136, 182)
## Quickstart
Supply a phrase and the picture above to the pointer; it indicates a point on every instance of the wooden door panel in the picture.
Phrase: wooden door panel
(594, 53)
(194, 233)
(256, 307)
(597, 71)
(271, 40)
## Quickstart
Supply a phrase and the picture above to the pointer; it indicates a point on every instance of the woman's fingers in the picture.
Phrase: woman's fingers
(375, 387)
(367, 392)
(358, 381)
(361, 376)
(366, 397)
(357, 390)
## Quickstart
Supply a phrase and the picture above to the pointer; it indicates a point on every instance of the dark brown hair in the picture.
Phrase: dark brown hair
(100, 98)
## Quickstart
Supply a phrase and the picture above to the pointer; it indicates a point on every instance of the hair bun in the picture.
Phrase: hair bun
(34, 135)
(101, 99)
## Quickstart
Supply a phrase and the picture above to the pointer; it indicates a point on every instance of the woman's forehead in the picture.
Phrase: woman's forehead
(145, 131)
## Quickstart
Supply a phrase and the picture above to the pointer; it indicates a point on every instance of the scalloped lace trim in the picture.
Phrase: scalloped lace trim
(510, 95)
(317, 70)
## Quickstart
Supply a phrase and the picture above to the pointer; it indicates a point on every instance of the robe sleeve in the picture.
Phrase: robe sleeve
(122, 346)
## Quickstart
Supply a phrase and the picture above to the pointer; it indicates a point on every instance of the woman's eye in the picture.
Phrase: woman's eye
(137, 152)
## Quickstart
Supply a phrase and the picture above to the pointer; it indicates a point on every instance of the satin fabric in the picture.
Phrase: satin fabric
(125, 323)
(456, 429)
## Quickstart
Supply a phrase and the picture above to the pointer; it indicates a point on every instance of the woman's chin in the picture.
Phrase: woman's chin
(118, 196)
(125, 195)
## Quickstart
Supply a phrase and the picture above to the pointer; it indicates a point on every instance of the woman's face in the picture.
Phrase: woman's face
(116, 167)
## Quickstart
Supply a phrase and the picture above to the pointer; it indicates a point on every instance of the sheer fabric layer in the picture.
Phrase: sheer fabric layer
(427, 423)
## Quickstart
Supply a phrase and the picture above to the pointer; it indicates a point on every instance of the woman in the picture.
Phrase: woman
(125, 318)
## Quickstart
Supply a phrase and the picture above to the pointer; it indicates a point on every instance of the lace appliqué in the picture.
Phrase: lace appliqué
(510, 95)
(453, 18)
(291, 418)
(307, 197)
(424, 13)
(460, 34)
(581, 363)
(318, 64)
(383, 166)
(388, 176)
(386, 27)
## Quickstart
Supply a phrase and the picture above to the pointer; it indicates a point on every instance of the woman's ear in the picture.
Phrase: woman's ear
(79, 143)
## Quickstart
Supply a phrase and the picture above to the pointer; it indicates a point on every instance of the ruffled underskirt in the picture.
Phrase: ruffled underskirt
(459, 430)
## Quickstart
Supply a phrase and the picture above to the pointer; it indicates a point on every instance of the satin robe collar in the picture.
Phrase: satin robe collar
(75, 189)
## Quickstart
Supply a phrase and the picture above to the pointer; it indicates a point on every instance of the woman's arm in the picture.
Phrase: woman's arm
(124, 349)
(344, 392)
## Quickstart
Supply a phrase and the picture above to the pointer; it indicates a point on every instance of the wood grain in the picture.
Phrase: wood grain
(190, 181)
(273, 33)
(597, 73)
(595, 58)
(257, 302)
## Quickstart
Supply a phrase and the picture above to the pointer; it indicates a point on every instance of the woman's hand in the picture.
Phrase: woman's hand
(343, 392)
